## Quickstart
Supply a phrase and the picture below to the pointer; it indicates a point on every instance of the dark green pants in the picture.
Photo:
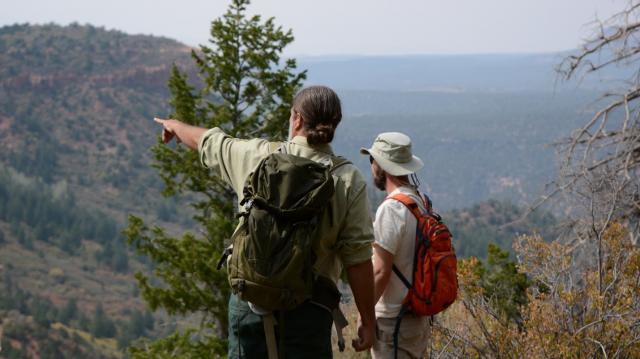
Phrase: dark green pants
(306, 332)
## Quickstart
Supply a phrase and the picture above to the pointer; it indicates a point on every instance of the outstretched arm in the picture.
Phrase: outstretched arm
(187, 134)
(361, 281)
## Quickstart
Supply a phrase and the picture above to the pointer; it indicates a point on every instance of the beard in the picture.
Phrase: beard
(379, 180)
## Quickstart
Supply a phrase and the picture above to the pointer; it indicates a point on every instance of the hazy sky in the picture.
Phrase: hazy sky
(328, 27)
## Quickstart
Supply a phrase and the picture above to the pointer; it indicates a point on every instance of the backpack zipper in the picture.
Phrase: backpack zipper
(435, 274)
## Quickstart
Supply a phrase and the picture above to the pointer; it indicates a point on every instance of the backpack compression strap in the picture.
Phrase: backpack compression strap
(337, 161)
(415, 210)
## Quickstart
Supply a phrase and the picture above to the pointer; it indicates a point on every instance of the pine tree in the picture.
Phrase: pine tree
(247, 91)
(101, 325)
(40, 310)
(504, 287)
(68, 312)
(120, 260)
(148, 320)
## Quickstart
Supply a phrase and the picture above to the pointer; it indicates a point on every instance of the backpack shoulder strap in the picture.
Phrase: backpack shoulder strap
(415, 210)
(408, 202)
(427, 201)
(280, 147)
(403, 279)
(338, 161)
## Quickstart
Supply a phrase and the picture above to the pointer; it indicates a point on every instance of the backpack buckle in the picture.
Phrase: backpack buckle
(248, 204)
(225, 254)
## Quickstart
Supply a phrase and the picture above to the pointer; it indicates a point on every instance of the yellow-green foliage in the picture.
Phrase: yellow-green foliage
(57, 274)
(571, 313)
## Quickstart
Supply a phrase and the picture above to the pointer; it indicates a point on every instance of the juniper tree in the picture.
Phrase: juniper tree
(245, 88)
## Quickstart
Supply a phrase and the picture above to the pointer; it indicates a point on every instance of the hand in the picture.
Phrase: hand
(366, 336)
(168, 129)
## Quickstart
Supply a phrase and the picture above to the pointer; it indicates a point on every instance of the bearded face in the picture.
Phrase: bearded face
(379, 176)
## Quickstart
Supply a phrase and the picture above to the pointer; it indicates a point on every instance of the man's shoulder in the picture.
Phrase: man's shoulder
(348, 173)
(413, 195)
(390, 204)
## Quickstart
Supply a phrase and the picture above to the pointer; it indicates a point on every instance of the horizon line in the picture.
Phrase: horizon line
(326, 56)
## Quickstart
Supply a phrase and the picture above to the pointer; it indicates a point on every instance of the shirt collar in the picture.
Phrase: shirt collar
(302, 141)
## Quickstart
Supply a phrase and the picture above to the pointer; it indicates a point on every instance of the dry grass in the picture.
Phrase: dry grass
(350, 332)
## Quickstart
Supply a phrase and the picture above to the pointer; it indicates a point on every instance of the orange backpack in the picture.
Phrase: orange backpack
(435, 282)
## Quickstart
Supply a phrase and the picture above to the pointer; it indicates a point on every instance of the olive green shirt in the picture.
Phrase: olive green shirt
(346, 225)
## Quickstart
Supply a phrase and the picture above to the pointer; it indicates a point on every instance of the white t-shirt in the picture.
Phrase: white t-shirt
(395, 231)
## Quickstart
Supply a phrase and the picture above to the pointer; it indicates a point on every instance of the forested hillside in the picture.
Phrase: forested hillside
(497, 222)
(475, 145)
(76, 105)
(76, 109)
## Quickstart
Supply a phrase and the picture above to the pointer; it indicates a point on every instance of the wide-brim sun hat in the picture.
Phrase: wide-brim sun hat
(392, 152)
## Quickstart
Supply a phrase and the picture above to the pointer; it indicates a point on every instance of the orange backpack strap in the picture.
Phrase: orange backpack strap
(408, 202)
(415, 210)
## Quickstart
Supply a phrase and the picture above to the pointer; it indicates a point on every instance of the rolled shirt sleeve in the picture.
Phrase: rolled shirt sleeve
(356, 237)
(231, 158)
(390, 225)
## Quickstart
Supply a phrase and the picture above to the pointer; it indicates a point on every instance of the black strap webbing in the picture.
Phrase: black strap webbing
(402, 277)
(396, 330)
(281, 341)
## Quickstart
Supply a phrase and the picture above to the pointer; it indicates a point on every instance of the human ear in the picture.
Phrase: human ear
(297, 122)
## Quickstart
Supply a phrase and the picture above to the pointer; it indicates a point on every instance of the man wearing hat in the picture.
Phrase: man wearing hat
(392, 166)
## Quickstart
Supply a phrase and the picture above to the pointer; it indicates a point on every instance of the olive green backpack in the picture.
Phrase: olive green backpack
(272, 261)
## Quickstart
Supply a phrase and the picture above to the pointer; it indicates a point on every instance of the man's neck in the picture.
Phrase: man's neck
(392, 184)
